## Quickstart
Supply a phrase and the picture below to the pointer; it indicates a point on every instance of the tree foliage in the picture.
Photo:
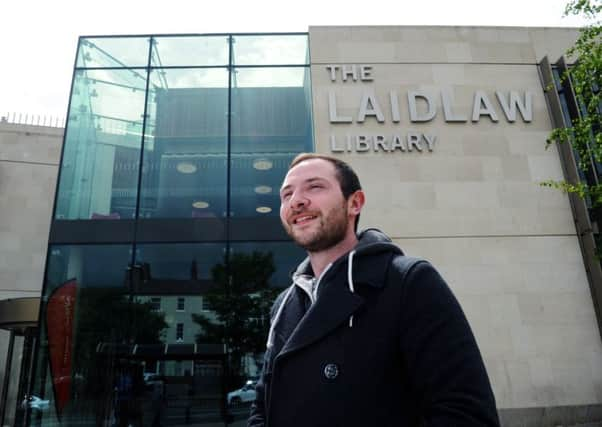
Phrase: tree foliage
(585, 75)
(109, 316)
(240, 302)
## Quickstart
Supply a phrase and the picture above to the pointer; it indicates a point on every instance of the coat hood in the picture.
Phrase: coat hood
(370, 241)
(367, 263)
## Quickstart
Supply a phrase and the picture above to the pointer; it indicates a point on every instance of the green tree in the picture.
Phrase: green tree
(585, 75)
(240, 302)
(108, 316)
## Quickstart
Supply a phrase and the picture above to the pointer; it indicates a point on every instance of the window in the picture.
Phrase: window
(180, 332)
(155, 303)
(205, 306)
(181, 301)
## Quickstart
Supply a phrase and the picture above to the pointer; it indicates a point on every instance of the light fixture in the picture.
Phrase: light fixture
(186, 167)
(263, 189)
(262, 164)
(199, 204)
(264, 209)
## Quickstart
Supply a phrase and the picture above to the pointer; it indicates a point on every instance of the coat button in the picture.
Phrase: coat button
(331, 371)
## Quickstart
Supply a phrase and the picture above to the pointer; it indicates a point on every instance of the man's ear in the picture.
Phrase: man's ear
(356, 202)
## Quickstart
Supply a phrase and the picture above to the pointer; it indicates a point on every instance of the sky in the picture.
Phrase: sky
(38, 38)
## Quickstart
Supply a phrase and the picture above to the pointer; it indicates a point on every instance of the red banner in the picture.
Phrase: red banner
(59, 327)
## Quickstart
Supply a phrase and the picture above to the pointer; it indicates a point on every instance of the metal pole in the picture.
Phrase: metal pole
(25, 373)
(9, 359)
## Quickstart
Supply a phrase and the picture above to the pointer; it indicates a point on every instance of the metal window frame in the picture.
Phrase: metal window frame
(583, 224)
(127, 231)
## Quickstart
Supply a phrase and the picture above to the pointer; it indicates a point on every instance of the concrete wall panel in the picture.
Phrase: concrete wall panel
(474, 205)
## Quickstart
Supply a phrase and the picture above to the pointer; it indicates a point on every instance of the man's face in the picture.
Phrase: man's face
(313, 210)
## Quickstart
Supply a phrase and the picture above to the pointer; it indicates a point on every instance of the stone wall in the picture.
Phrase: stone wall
(471, 202)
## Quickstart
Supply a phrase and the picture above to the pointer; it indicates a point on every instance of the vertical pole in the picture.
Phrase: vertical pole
(25, 372)
(9, 360)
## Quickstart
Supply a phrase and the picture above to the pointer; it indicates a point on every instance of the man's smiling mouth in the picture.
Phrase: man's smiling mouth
(303, 219)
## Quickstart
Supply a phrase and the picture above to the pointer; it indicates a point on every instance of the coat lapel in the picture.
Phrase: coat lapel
(334, 306)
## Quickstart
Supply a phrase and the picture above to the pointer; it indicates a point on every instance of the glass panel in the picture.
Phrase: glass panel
(189, 371)
(184, 172)
(227, 307)
(285, 257)
(89, 321)
(270, 50)
(99, 169)
(190, 51)
(258, 273)
(113, 52)
(271, 123)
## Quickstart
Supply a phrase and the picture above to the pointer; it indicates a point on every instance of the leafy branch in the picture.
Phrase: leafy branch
(585, 76)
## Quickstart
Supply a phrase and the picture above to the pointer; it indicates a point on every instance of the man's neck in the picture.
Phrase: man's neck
(320, 260)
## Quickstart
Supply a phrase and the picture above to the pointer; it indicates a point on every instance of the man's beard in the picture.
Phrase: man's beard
(331, 231)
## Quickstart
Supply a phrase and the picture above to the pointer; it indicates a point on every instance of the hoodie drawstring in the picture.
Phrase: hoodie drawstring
(350, 280)
(270, 342)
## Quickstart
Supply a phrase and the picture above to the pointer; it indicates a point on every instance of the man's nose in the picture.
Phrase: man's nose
(298, 201)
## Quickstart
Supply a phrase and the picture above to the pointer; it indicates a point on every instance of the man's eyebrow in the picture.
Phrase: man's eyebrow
(308, 180)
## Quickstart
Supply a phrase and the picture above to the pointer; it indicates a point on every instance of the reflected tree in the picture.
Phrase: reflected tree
(109, 316)
(240, 303)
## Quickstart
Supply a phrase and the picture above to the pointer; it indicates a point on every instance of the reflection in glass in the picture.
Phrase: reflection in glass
(184, 173)
(170, 333)
(286, 256)
(189, 374)
(99, 169)
(270, 50)
(190, 51)
(271, 123)
(102, 52)
(101, 323)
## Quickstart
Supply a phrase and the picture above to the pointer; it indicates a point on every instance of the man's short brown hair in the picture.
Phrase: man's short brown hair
(348, 179)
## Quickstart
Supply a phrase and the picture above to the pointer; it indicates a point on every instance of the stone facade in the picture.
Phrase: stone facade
(473, 205)
(29, 158)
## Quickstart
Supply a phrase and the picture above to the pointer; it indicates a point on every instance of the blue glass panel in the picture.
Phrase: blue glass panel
(87, 310)
(184, 171)
(180, 262)
(270, 50)
(99, 169)
(190, 51)
(101, 52)
(271, 123)
(285, 257)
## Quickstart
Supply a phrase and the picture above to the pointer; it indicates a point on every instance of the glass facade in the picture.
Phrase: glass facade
(166, 249)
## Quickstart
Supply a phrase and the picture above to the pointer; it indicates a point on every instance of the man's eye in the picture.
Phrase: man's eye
(285, 196)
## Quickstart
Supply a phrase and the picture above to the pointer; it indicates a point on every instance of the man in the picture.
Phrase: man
(365, 336)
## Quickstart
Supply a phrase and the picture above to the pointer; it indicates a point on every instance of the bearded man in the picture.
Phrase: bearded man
(364, 336)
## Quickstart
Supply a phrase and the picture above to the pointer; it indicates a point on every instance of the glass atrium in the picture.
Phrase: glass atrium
(166, 249)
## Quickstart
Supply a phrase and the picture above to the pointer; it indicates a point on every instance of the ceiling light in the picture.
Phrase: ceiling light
(262, 164)
(200, 204)
(264, 209)
(263, 189)
(186, 167)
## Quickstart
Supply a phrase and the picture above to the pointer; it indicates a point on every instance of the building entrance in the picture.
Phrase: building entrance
(18, 320)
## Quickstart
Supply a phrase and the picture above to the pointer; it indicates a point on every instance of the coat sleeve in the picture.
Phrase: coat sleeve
(441, 356)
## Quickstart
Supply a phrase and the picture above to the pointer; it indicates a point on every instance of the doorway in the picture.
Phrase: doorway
(18, 329)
